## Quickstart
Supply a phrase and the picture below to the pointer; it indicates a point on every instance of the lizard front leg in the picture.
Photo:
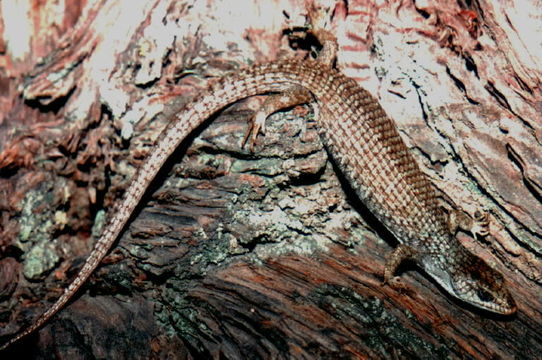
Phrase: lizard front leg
(400, 254)
(476, 225)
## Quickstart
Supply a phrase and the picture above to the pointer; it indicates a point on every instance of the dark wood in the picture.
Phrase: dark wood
(269, 254)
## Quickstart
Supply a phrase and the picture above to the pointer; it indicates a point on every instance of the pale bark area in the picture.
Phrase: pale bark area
(266, 254)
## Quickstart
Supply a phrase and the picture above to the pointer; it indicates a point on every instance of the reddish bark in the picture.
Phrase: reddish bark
(264, 255)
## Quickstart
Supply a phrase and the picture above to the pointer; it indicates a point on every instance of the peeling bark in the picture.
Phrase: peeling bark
(269, 254)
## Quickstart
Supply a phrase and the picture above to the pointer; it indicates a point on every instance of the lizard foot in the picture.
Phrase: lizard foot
(293, 96)
(476, 225)
(480, 224)
(256, 125)
(396, 283)
(400, 254)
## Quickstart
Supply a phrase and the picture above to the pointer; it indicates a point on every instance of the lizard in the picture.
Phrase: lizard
(367, 148)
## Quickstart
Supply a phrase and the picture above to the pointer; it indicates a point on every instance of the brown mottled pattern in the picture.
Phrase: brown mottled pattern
(362, 139)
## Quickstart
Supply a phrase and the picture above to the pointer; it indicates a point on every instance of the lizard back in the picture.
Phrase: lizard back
(368, 149)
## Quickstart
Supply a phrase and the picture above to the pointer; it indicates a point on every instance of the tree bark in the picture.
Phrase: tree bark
(266, 254)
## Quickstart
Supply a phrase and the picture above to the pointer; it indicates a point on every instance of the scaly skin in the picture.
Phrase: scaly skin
(367, 148)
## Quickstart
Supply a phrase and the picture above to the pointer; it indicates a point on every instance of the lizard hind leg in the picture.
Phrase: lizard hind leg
(320, 18)
(296, 95)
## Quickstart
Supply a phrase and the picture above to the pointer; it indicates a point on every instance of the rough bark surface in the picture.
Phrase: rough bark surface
(234, 254)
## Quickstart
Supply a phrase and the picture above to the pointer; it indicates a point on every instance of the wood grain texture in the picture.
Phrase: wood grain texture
(475, 139)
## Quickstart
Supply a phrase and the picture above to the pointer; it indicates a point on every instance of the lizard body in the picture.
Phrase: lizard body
(367, 148)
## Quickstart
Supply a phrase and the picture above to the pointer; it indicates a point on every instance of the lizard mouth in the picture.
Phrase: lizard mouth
(506, 305)
(498, 301)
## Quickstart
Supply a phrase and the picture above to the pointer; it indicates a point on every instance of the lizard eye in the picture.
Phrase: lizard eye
(484, 295)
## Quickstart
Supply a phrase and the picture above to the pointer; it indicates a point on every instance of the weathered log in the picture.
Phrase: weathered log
(268, 254)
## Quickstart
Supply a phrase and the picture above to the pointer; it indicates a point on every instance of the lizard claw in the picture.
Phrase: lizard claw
(256, 126)
(395, 283)
(480, 224)
(295, 95)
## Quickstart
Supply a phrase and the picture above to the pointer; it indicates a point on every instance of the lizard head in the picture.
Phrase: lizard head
(478, 284)
(471, 280)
